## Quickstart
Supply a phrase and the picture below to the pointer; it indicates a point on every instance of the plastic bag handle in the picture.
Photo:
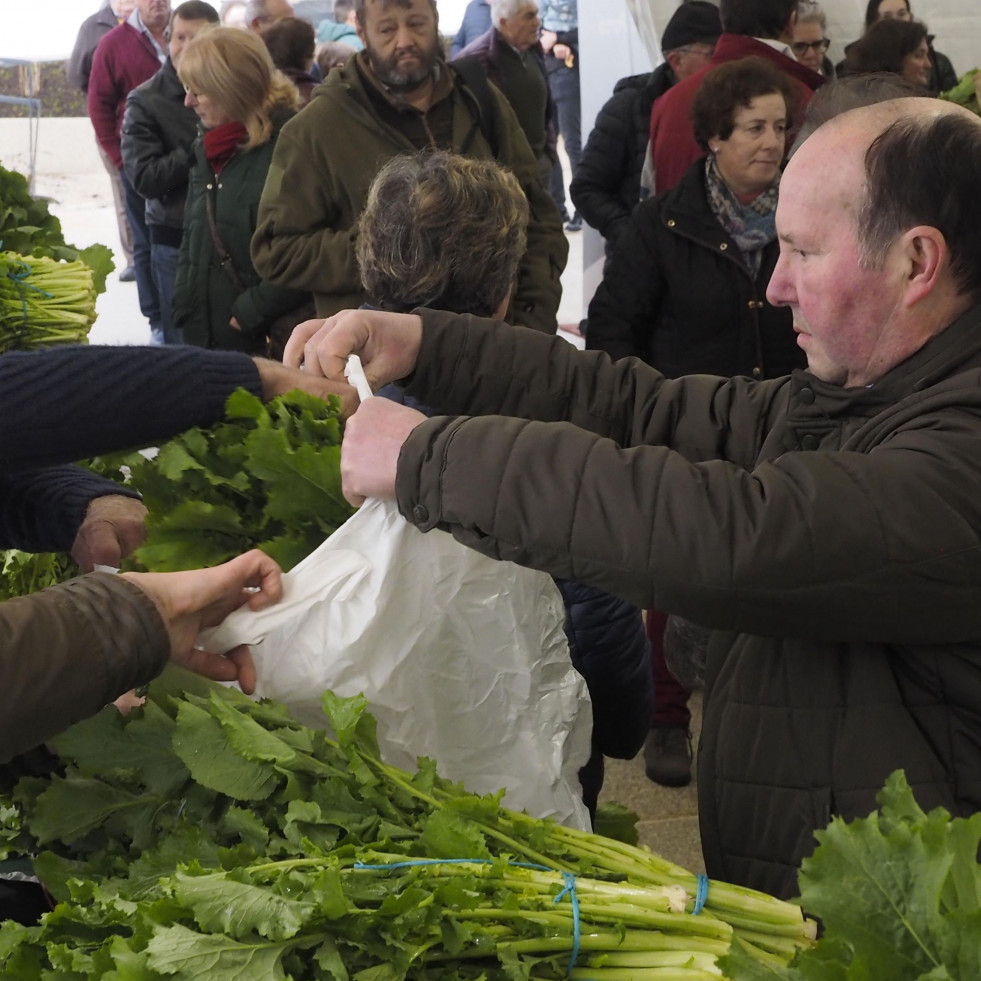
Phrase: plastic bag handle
(354, 373)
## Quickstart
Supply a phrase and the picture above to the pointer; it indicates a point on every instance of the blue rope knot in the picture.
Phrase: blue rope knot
(19, 279)
(570, 888)
(701, 894)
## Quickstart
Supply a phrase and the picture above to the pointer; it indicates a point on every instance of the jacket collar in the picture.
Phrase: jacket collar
(954, 350)
(730, 47)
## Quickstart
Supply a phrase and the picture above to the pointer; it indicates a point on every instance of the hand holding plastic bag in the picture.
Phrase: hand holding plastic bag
(462, 658)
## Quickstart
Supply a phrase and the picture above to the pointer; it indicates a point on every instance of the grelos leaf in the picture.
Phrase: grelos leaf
(205, 750)
(221, 903)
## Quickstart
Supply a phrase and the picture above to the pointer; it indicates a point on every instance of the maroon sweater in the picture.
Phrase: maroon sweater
(124, 59)
(673, 143)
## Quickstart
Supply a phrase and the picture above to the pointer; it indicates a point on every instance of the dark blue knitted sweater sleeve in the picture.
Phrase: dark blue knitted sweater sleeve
(66, 404)
(70, 403)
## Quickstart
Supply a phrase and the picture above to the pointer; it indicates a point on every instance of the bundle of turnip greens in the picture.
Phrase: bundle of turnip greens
(206, 836)
(44, 302)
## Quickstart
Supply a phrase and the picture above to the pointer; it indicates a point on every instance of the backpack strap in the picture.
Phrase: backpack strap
(471, 72)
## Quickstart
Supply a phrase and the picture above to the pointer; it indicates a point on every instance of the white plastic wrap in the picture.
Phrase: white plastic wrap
(462, 658)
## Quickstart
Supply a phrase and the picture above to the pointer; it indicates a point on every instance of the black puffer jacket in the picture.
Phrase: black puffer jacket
(157, 135)
(677, 293)
(607, 183)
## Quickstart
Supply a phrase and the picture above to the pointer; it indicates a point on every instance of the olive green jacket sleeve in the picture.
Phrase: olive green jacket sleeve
(69, 650)
(749, 506)
(307, 218)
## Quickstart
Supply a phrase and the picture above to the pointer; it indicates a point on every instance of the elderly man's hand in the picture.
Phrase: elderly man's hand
(113, 527)
(373, 439)
(277, 379)
(387, 343)
(190, 601)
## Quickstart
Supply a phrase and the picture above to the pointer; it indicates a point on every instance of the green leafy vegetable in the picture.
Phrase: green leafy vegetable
(899, 893)
(263, 849)
(44, 302)
(616, 821)
(25, 572)
(267, 477)
(964, 93)
(28, 228)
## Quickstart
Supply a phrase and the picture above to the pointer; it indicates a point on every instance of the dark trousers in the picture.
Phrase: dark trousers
(145, 286)
(670, 696)
(163, 265)
(563, 83)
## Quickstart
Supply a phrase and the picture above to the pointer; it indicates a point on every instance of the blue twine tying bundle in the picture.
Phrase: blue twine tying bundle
(701, 895)
(19, 279)
(570, 888)
(567, 877)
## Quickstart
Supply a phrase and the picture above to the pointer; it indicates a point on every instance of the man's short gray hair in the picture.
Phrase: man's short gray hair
(925, 170)
(506, 9)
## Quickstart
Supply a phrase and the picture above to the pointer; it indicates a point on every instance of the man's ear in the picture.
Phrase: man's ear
(924, 254)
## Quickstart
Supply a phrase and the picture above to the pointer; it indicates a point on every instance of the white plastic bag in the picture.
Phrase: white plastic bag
(462, 658)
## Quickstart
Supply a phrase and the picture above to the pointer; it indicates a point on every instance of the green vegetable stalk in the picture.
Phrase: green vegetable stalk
(206, 836)
(44, 302)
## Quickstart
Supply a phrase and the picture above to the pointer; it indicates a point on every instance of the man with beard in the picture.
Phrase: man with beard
(396, 96)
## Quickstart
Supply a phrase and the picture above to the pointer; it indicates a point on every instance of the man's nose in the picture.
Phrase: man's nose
(779, 291)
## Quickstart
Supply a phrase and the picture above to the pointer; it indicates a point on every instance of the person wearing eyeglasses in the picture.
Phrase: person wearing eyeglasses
(607, 184)
(810, 43)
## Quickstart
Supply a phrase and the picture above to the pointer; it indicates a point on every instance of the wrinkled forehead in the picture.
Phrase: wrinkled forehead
(376, 8)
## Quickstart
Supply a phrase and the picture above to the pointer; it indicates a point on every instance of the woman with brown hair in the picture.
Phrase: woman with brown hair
(941, 75)
(892, 45)
(242, 101)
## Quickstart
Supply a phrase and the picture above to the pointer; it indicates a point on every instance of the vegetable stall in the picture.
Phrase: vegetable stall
(209, 836)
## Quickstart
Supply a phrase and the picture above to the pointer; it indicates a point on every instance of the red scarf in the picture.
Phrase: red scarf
(221, 143)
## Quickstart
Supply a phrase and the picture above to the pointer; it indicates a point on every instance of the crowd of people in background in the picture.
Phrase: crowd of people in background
(270, 172)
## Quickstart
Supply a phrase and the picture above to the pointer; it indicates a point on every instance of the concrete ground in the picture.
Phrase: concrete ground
(70, 174)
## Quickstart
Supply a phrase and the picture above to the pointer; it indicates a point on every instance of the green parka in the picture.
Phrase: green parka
(830, 536)
(205, 297)
(318, 183)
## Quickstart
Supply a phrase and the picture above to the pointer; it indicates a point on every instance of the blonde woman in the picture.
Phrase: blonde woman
(242, 102)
